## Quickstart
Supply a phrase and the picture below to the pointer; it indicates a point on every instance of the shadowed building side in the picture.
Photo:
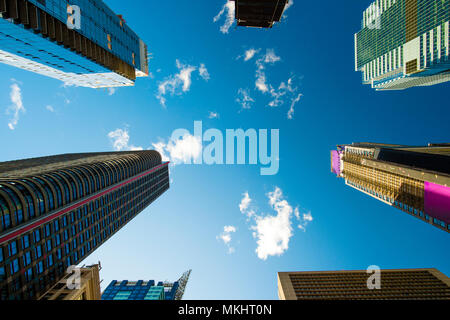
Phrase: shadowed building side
(259, 13)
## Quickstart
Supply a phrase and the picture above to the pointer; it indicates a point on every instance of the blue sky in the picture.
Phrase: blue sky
(314, 48)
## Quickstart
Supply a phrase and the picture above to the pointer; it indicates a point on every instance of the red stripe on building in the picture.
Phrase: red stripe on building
(52, 216)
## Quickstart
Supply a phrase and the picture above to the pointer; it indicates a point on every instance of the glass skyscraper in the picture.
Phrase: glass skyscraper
(146, 290)
(56, 210)
(415, 180)
(82, 43)
(404, 43)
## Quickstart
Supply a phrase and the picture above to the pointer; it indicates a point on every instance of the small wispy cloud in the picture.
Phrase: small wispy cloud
(213, 115)
(245, 207)
(290, 113)
(244, 99)
(229, 7)
(203, 72)
(304, 219)
(111, 91)
(285, 91)
(50, 108)
(226, 237)
(180, 82)
(120, 140)
(249, 54)
(17, 107)
(268, 58)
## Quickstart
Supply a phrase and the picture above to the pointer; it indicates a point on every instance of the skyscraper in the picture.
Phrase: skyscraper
(83, 43)
(415, 180)
(57, 210)
(88, 287)
(404, 43)
(259, 13)
(146, 290)
(353, 285)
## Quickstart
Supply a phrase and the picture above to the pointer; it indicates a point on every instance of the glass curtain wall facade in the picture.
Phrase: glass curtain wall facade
(404, 43)
(140, 290)
(415, 180)
(97, 50)
(55, 211)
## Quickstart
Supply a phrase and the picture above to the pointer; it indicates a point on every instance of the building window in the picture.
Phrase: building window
(27, 258)
(14, 266)
(38, 251)
(40, 267)
(25, 242)
(12, 248)
(37, 236)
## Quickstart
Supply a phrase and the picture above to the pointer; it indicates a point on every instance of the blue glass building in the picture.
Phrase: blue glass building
(81, 42)
(140, 290)
(146, 290)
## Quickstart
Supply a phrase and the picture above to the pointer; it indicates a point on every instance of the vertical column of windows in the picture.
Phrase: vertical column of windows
(55, 186)
(48, 191)
(65, 186)
(38, 195)
(29, 199)
(17, 205)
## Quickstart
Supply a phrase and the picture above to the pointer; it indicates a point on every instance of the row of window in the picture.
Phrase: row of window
(69, 185)
(72, 244)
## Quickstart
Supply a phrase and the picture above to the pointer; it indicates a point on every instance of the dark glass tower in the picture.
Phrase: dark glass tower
(259, 13)
(56, 210)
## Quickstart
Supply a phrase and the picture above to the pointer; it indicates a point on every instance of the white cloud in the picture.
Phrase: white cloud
(17, 105)
(213, 115)
(271, 57)
(229, 6)
(268, 58)
(50, 108)
(249, 54)
(182, 150)
(290, 3)
(225, 236)
(304, 219)
(120, 139)
(278, 94)
(111, 91)
(273, 232)
(290, 113)
(160, 147)
(180, 82)
(245, 202)
(203, 72)
(244, 99)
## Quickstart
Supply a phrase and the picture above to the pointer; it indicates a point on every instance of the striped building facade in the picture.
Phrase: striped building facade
(416, 284)
(404, 43)
(415, 180)
(56, 210)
